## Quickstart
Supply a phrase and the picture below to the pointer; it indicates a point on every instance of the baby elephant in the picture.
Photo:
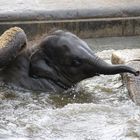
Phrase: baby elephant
(58, 62)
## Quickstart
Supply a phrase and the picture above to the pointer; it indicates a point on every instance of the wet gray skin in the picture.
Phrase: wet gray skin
(66, 60)
(57, 63)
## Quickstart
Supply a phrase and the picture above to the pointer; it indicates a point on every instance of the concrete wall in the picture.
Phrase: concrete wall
(85, 28)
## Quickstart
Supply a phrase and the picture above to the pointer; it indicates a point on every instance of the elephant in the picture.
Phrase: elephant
(56, 63)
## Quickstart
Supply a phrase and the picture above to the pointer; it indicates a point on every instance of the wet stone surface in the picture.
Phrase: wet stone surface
(132, 59)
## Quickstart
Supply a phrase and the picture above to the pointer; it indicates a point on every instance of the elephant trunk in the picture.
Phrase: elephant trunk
(109, 69)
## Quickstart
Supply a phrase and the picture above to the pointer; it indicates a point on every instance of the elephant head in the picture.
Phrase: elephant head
(66, 59)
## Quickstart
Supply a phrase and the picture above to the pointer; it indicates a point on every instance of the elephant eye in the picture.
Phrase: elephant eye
(76, 62)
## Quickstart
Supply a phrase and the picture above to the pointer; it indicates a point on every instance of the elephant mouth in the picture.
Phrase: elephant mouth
(62, 85)
(61, 82)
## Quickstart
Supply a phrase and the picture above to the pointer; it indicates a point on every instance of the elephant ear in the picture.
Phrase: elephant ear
(40, 67)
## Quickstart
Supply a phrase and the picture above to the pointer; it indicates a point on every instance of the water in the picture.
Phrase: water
(98, 108)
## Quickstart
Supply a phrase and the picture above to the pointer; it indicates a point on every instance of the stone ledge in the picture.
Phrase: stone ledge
(67, 9)
(85, 18)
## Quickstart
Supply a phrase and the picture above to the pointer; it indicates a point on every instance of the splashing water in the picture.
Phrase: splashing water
(98, 108)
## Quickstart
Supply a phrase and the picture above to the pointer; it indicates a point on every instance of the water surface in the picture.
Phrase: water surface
(98, 108)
